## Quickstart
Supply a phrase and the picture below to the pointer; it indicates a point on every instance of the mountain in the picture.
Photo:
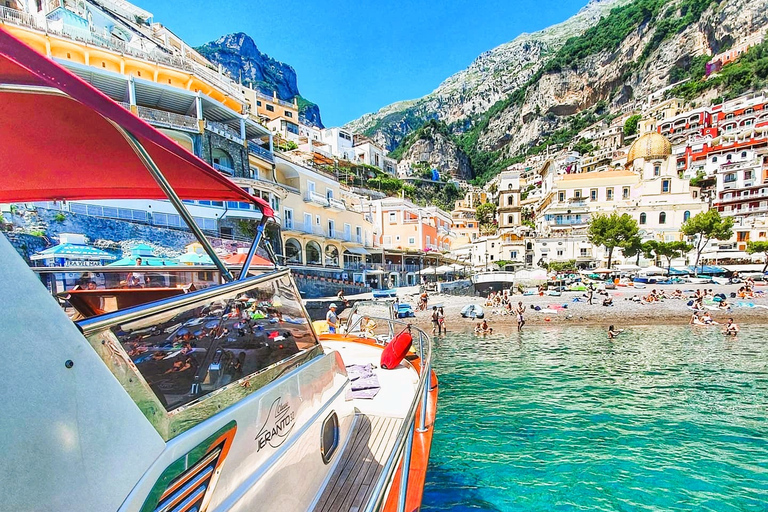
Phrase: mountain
(491, 77)
(432, 147)
(541, 89)
(240, 56)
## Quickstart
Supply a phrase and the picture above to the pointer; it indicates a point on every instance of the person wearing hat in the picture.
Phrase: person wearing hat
(331, 319)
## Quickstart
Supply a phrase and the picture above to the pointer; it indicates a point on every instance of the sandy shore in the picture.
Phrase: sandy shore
(623, 313)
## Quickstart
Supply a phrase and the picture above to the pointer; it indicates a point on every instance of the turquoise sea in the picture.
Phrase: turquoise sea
(556, 419)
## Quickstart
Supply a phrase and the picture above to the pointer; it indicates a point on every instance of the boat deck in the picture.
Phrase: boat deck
(351, 483)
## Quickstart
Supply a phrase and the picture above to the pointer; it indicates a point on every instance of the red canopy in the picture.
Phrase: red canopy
(59, 140)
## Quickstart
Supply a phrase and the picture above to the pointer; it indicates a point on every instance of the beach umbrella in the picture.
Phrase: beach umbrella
(239, 258)
(601, 270)
(627, 268)
(653, 270)
(444, 269)
(428, 271)
(193, 258)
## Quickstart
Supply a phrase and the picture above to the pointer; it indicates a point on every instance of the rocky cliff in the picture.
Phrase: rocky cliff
(491, 77)
(239, 55)
(432, 144)
(611, 56)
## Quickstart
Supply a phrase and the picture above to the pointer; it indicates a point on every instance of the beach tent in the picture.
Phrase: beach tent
(652, 270)
(72, 254)
(195, 255)
(707, 269)
(239, 258)
(148, 258)
(677, 272)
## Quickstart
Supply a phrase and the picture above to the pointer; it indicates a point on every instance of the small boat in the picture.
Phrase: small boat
(206, 400)
(385, 293)
(472, 311)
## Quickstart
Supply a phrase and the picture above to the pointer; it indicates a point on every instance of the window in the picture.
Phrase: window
(559, 253)
(288, 218)
(317, 220)
(308, 222)
(577, 194)
(288, 114)
(330, 437)
(412, 240)
(583, 252)
(730, 178)
(493, 245)
(729, 157)
(686, 215)
(270, 108)
(561, 196)
(331, 228)
(392, 217)
(662, 218)
(642, 218)
(625, 193)
(329, 193)
(743, 154)
(714, 159)
(665, 186)
(310, 186)
(593, 194)
(742, 236)
(510, 219)
(429, 240)
(258, 103)
(657, 170)
(748, 175)
(513, 255)
(609, 194)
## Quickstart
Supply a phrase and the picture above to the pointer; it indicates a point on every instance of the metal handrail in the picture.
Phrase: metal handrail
(421, 397)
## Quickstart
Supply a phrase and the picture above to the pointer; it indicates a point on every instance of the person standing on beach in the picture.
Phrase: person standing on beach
(590, 293)
(520, 320)
(435, 320)
(731, 329)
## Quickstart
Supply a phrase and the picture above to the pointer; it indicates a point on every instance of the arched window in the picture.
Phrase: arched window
(510, 219)
(331, 256)
(222, 161)
(292, 252)
(743, 154)
(642, 218)
(510, 200)
(686, 215)
(662, 218)
(313, 253)
(728, 157)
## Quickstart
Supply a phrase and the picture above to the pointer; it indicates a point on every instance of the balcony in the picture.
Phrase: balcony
(335, 204)
(224, 130)
(224, 169)
(104, 39)
(161, 118)
(260, 152)
(314, 197)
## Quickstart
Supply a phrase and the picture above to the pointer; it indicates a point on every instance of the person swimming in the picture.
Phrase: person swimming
(612, 332)
(731, 328)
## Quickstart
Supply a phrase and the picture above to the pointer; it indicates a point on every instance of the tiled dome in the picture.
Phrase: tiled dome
(649, 145)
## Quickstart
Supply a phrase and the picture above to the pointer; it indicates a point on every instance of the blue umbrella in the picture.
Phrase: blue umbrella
(73, 252)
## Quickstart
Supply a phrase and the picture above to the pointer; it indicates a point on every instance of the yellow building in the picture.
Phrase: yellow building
(319, 228)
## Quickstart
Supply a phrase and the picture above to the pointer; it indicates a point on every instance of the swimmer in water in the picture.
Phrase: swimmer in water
(612, 333)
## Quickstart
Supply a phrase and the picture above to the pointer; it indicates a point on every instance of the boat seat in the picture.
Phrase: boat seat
(351, 484)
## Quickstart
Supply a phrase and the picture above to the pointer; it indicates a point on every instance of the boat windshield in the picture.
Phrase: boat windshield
(374, 308)
(187, 352)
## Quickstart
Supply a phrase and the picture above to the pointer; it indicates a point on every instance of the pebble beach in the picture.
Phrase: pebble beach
(564, 309)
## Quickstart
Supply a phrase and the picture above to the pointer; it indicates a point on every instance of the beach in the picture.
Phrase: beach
(564, 310)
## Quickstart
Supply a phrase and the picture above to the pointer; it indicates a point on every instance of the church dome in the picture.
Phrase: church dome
(649, 145)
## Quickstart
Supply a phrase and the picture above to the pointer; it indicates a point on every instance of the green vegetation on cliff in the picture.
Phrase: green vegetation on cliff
(425, 132)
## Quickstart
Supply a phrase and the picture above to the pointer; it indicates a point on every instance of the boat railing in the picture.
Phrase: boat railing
(403, 446)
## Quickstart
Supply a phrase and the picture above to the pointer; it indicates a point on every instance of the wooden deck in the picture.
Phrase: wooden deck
(352, 482)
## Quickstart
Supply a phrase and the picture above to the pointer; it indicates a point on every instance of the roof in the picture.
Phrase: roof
(74, 252)
(649, 145)
(64, 139)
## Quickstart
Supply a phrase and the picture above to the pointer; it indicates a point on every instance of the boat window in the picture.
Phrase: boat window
(189, 352)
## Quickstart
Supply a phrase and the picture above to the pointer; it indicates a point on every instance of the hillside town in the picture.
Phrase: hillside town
(660, 160)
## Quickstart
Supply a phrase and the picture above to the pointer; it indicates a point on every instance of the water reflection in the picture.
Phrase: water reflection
(195, 350)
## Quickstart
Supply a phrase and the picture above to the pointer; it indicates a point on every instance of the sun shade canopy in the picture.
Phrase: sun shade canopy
(62, 139)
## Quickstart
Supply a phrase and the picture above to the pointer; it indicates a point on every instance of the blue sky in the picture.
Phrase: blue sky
(354, 57)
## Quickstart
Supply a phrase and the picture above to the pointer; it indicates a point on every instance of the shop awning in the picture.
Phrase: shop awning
(357, 250)
(64, 139)
(73, 252)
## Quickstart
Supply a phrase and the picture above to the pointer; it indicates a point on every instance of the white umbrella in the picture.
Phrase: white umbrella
(653, 270)
(428, 271)
(444, 269)
(627, 268)
(601, 270)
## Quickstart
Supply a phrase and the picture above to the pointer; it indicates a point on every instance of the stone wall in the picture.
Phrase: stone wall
(211, 141)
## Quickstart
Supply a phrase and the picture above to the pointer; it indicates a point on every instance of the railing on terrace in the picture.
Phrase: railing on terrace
(223, 168)
(106, 40)
(224, 130)
(260, 151)
(335, 203)
(314, 197)
(167, 119)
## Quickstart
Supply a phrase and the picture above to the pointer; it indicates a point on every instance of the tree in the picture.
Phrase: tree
(630, 125)
(485, 213)
(755, 247)
(705, 226)
(612, 231)
(633, 248)
(672, 250)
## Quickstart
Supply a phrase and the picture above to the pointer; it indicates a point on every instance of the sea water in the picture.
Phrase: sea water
(659, 419)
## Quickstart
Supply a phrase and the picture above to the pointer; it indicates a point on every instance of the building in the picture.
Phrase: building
(370, 153)
(464, 219)
(116, 47)
(340, 142)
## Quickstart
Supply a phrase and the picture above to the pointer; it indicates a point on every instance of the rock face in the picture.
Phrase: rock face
(239, 55)
(617, 76)
(441, 153)
(491, 77)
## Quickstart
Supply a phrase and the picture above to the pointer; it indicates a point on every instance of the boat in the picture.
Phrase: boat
(385, 293)
(221, 398)
(487, 282)
(472, 311)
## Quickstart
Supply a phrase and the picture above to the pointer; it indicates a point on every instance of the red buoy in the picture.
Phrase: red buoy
(396, 350)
